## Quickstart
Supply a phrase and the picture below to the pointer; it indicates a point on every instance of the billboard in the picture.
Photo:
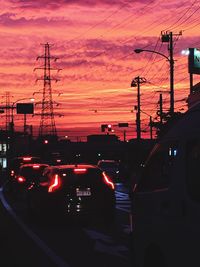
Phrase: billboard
(194, 61)
(24, 108)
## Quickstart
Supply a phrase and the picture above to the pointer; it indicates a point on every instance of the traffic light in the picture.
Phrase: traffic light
(109, 127)
(104, 127)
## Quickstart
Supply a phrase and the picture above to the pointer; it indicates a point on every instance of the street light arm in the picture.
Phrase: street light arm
(151, 51)
(21, 99)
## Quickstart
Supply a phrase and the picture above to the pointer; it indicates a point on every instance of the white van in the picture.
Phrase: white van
(166, 200)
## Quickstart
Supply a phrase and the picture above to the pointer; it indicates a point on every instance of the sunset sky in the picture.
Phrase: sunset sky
(95, 42)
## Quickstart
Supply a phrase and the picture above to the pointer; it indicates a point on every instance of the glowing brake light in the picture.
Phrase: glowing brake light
(55, 184)
(27, 158)
(80, 170)
(36, 166)
(21, 179)
(108, 181)
(12, 173)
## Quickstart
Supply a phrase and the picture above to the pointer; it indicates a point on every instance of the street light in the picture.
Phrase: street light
(12, 110)
(171, 63)
(138, 50)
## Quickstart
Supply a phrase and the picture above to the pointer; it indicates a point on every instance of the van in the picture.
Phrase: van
(166, 200)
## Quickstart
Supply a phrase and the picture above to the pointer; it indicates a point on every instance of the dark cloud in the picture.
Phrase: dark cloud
(10, 19)
(81, 62)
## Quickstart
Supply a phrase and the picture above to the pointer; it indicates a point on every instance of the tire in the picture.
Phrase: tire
(154, 257)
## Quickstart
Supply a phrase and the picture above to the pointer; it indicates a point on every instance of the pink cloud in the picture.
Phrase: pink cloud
(56, 4)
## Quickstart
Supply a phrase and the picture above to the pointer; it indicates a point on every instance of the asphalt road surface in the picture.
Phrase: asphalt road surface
(64, 243)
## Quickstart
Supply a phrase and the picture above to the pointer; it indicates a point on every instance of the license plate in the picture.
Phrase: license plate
(83, 192)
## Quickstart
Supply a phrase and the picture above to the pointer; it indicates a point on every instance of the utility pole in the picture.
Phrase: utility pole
(171, 52)
(136, 83)
(167, 37)
(124, 135)
(161, 109)
(151, 128)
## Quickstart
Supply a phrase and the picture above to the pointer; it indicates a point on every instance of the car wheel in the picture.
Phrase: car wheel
(154, 257)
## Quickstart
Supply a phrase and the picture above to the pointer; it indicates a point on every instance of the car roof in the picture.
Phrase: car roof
(28, 156)
(72, 166)
(187, 127)
(108, 160)
(34, 164)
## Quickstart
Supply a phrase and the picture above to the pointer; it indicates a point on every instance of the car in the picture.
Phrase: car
(16, 162)
(166, 199)
(74, 190)
(13, 169)
(27, 176)
(111, 167)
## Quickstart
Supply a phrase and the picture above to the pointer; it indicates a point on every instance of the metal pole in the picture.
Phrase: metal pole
(124, 135)
(139, 111)
(161, 109)
(151, 128)
(12, 119)
(171, 60)
(191, 83)
(24, 123)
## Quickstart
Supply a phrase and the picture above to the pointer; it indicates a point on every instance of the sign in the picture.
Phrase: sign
(25, 108)
(194, 61)
(122, 124)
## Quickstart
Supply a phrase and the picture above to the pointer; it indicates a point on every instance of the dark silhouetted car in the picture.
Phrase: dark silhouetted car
(73, 190)
(13, 169)
(166, 199)
(28, 175)
(15, 163)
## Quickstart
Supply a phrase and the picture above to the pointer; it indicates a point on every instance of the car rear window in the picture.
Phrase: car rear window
(32, 172)
(90, 175)
(156, 174)
(17, 162)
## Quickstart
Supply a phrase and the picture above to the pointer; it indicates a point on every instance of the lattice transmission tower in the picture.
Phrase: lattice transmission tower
(6, 109)
(47, 122)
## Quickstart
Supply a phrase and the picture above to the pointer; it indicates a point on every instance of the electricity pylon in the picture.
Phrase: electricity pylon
(47, 122)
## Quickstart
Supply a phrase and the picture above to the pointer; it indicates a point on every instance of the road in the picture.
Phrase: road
(29, 242)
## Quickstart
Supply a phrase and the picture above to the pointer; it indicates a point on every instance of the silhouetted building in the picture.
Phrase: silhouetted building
(103, 138)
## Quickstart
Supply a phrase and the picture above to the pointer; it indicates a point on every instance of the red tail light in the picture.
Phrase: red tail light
(12, 173)
(55, 183)
(21, 179)
(80, 170)
(27, 158)
(108, 181)
(36, 166)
